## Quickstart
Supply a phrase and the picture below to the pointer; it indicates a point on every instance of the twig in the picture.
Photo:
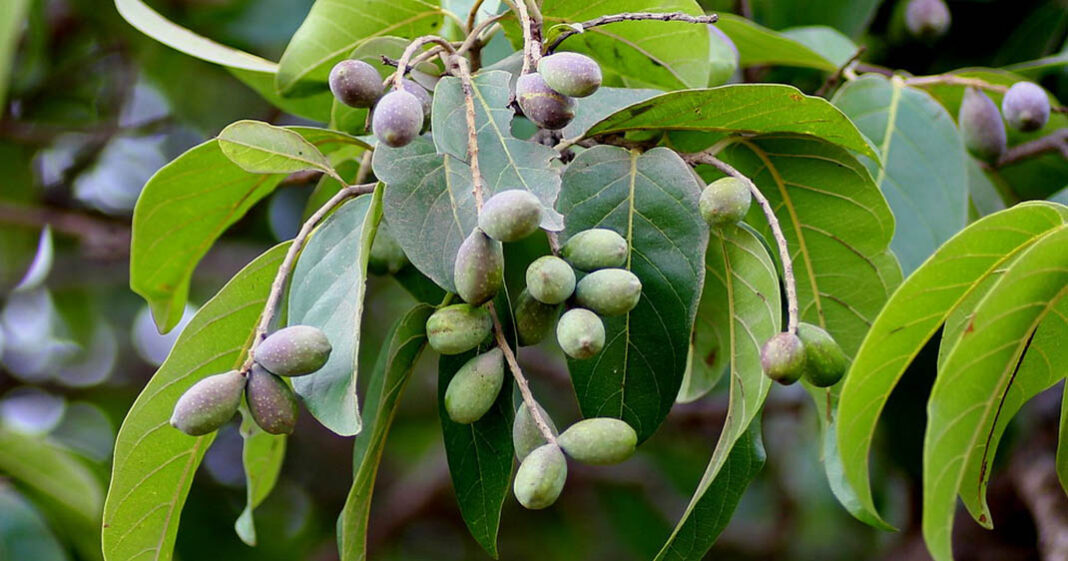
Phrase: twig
(520, 379)
(472, 127)
(406, 58)
(776, 230)
(279, 283)
(472, 15)
(530, 45)
(576, 28)
(833, 79)
(365, 167)
(950, 80)
(1056, 141)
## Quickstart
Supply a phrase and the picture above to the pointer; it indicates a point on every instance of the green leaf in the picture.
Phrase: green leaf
(334, 27)
(149, 22)
(315, 107)
(984, 195)
(327, 291)
(603, 103)
(760, 46)
(10, 30)
(849, 16)
(923, 174)
(718, 495)
(59, 483)
(23, 533)
(429, 205)
(262, 458)
(827, 41)
(479, 456)
(258, 147)
(504, 161)
(154, 464)
(742, 108)
(407, 339)
(651, 200)
(962, 410)
(915, 312)
(670, 55)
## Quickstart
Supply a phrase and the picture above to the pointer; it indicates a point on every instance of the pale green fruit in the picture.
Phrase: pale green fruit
(609, 292)
(783, 358)
(725, 202)
(596, 248)
(541, 477)
(479, 268)
(296, 350)
(599, 441)
(534, 321)
(271, 402)
(550, 280)
(209, 403)
(580, 333)
(510, 215)
(525, 434)
(571, 74)
(474, 387)
(458, 328)
(825, 362)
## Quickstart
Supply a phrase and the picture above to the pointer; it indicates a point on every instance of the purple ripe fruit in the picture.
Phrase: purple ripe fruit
(355, 83)
(570, 73)
(1026, 107)
(544, 106)
(397, 118)
(981, 126)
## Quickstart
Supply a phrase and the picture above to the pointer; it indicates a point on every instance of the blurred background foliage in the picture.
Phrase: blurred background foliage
(93, 108)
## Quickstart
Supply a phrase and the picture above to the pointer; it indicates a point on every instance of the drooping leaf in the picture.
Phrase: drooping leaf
(741, 108)
(826, 41)
(978, 376)
(334, 27)
(505, 162)
(10, 29)
(258, 147)
(758, 45)
(651, 200)
(327, 292)
(604, 102)
(262, 457)
(154, 464)
(915, 312)
(407, 339)
(923, 172)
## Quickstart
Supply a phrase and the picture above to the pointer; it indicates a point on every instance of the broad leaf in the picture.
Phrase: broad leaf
(10, 30)
(154, 463)
(601, 104)
(315, 107)
(826, 41)
(406, 340)
(651, 200)
(923, 172)
(849, 16)
(744, 108)
(978, 377)
(758, 46)
(262, 457)
(915, 312)
(258, 147)
(505, 162)
(327, 291)
(334, 27)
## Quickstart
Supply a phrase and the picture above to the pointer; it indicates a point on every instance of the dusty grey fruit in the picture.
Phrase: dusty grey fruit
(825, 362)
(599, 441)
(609, 292)
(525, 434)
(474, 387)
(387, 257)
(479, 268)
(544, 106)
(927, 19)
(510, 215)
(580, 333)
(783, 358)
(458, 328)
(550, 279)
(271, 402)
(355, 83)
(725, 202)
(570, 73)
(540, 477)
(209, 403)
(534, 321)
(1026, 106)
(397, 119)
(420, 93)
(294, 351)
(596, 248)
(981, 126)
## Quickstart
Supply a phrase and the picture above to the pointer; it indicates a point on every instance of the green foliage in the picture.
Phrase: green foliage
(261, 456)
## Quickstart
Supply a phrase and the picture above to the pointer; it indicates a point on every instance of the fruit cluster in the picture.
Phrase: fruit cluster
(1025, 106)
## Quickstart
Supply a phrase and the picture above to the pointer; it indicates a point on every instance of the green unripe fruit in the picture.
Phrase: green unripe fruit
(474, 387)
(386, 257)
(540, 477)
(510, 215)
(293, 351)
(525, 434)
(209, 403)
(580, 333)
(570, 73)
(458, 328)
(544, 106)
(355, 83)
(271, 402)
(420, 93)
(599, 441)
(397, 119)
(927, 19)
(825, 363)
(609, 292)
(783, 358)
(725, 202)
(981, 126)
(1026, 107)
(534, 321)
(550, 279)
(596, 248)
(479, 268)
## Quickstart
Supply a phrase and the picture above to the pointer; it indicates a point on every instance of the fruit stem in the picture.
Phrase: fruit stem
(464, 70)
(520, 379)
(409, 52)
(531, 45)
(279, 283)
(1056, 141)
(472, 15)
(576, 28)
(950, 80)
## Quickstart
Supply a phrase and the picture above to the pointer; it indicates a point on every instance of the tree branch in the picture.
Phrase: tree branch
(520, 379)
(1056, 141)
(472, 127)
(577, 28)
(950, 80)
(406, 59)
(833, 79)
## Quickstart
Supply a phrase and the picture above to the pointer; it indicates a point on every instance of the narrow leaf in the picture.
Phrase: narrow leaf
(10, 30)
(760, 46)
(262, 148)
(262, 457)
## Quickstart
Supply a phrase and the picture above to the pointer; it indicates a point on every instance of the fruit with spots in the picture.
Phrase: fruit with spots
(783, 358)
(1026, 107)
(544, 106)
(534, 321)
(596, 248)
(550, 280)
(599, 441)
(571, 74)
(458, 328)
(981, 126)
(420, 93)
(397, 119)
(510, 215)
(540, 477)
(474, 387)
(825, 362)
(609, 292)
(525, 434)
(296, 350)
(479, 268)
(271, 402)
(725, 202)
(580, 333)
(209, 403)
(355, 83)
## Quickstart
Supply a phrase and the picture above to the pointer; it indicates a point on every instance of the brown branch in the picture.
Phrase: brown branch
(406, 59)
(472, 127)
(576, 28)
(1056, 141)
(833, 79)
(520, 379)
(530, 44)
